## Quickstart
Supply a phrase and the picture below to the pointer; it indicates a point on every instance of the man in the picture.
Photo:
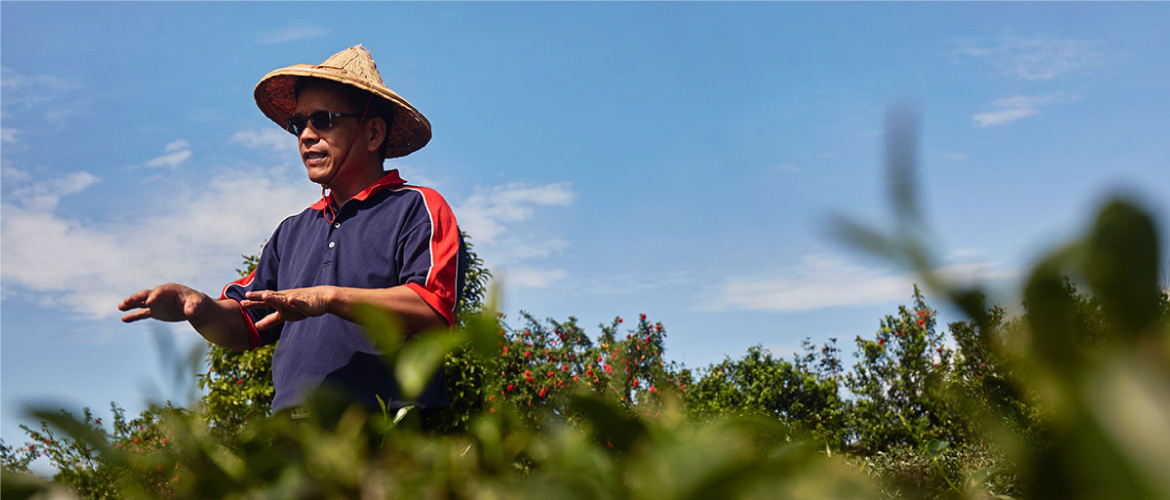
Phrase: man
(372, 239)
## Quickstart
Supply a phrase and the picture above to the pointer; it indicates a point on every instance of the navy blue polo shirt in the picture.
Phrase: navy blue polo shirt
(388, 235)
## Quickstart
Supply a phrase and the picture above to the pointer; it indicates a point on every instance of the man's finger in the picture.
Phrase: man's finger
(270, 321)
(136, 315)
(136, 299)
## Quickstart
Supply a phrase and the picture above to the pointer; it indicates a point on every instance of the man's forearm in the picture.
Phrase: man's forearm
(221, 322)
(414, 313)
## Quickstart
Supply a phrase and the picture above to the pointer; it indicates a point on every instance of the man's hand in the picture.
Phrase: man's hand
(169, 302)
(293, 304)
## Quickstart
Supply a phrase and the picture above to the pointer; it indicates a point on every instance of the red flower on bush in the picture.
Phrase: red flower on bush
(608, 369)
(642, 316)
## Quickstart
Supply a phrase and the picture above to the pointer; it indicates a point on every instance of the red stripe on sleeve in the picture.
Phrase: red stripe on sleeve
(253, 334)
(243, 282)
(442, 284)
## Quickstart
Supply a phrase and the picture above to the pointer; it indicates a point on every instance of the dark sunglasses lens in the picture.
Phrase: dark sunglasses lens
(322, 120)
(296, 124)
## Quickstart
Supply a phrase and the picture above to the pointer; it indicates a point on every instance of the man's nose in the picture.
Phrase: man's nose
(309, 134)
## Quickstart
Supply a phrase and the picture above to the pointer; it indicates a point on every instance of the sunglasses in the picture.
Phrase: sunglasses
(321, 120)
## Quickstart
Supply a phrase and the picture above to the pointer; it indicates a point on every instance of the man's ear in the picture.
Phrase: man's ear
(376, 134)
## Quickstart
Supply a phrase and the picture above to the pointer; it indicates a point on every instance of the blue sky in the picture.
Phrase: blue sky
(676, 159)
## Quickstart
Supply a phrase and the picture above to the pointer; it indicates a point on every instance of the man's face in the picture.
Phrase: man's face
(323, 151)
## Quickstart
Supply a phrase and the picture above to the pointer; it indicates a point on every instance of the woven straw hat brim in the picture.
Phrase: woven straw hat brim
(276, 97)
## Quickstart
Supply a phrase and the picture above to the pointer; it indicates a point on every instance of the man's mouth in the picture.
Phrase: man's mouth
(313, 155)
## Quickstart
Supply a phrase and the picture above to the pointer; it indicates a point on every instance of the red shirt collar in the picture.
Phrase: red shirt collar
(391, 179)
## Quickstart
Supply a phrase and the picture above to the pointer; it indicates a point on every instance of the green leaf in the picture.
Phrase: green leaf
(382, 327)
(419, 359)
(1122, 266)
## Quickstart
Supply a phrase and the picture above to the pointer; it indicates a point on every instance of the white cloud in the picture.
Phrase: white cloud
(788, 167)
(629, 284)
(291, 33)
(1011, 109)
(495, 217)
(178, 145)
(44, 195)
(86, 268)
(823, 281)
(1002, 116)
(8, 135)
(529, 277)
(1031, 58)
(171, 160)
(43, 95)
(177, 152)
(488, 212)
(266, 139)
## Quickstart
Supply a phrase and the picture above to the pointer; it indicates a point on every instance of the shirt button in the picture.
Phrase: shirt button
(336, 225)
(331, 244)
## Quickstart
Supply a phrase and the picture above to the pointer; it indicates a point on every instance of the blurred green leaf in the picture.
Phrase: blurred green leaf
(421, 357)
(1122, 261)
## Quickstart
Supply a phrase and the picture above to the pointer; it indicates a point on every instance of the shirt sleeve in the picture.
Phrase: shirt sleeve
(433, 255)
(263, 277)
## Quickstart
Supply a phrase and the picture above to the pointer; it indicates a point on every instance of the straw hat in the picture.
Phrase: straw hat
(276, 96)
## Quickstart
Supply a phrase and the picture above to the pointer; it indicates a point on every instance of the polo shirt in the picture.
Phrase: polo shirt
(390, 234)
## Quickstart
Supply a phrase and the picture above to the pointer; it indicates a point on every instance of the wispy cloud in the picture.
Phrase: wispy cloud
(8, 135)
(789, 168)
(44, 195)
(955, 157)
(496, 217)
(530, 277)
(269, 139)
(174, 155)
(1011, 109)
(824, 281)
(1031, 58)
(45, 97)
(629, 284)
(488, 212)
(195, 240)
(291, 33)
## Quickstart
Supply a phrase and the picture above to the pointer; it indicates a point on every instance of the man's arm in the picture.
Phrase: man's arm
(299, 303)
(218, 321)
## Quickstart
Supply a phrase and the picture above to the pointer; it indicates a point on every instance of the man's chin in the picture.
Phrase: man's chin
(319, 176)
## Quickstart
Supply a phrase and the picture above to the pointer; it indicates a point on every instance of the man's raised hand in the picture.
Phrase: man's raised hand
(169, 302)
(293, 304)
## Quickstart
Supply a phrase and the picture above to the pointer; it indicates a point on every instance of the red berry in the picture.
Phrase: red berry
(240, 381)
(642, 316)
(510, 387)
(619, 320)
